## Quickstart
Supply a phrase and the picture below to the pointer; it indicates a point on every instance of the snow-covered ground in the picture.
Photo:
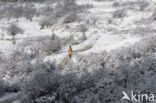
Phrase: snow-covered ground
(105, 37)
(101, 36)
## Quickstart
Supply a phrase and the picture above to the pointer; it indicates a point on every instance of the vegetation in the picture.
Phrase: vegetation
(13, 30)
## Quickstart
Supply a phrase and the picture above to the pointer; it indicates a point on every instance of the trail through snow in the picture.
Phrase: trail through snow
(99, 38)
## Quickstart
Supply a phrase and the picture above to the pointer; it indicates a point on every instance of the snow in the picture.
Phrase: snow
(112, 42)
(108, 35)
(5, 46)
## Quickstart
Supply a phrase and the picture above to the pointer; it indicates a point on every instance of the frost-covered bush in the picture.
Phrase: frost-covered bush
(41, 84)
(70, 17)
(48, 21)
(65, 9)
(116, 4)
(143, 5)
(18, 12)
(83, 28)
(119, 13)
(50, 46)
(140, 5)
(19, 63)
(16, 65)
(8, 12)
(13, 30)
(147, 45)
(47, 44)
(143, 31)
(20, 67)
(29, 12)
(46, 10)
(57, 88)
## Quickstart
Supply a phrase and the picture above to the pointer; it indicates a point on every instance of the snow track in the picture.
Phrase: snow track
(67, 59)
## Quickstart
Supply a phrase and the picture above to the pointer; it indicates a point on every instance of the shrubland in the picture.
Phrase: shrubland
(93, 78)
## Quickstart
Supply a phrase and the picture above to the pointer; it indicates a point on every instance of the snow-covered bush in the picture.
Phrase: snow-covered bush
(143, 5)
(143, 31)
(116, 4)
(119, 13)
(50, 46)
(18, 12)
(48, 21)
(147, 45)
(67, 40)
(8, 12)
(47, 45)
(83, 28)
(46, 10)
(41, 84)
(70, 17)
(13, 29)
(19, 68)
(65, 9)
(140, 5)
(29, 12)
(19, 64)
